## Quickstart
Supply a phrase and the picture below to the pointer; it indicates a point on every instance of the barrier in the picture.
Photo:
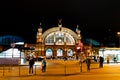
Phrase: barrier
(54, 68)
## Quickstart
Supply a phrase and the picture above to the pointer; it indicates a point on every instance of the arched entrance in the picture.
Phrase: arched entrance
(49, 53)
(70, 52)
(59, 53)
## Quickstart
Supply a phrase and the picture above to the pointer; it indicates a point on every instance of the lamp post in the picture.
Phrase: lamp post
(118, 34)
(12, 45)
(65, 59)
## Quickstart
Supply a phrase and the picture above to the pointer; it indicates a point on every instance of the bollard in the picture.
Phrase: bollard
(3, 70)
(35, 69)
(65, 67)
(80, 66)
(19, 70)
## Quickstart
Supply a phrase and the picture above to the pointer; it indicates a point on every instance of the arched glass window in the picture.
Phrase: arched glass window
(49, 53)
(59, 38)
(50, 39)
(69, 52)
(59, 52)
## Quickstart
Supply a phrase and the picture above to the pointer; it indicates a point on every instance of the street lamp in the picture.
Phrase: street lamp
(12, 45)
(118, 34)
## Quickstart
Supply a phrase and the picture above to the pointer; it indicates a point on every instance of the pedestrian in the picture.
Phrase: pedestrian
(101, 62)
(88, 62)
(115, 60)
(31, 63)
(107, 60)
(44, 65)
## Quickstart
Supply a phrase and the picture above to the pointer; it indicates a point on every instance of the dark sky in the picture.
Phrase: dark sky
(97, 19)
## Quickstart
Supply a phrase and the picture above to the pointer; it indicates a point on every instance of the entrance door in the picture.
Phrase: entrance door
(70, 52)
(59, 53)
(49, 53)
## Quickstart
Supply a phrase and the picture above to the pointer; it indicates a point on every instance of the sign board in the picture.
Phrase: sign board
(12, 45)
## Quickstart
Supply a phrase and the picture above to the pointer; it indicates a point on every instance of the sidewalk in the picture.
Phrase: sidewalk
(58, 70)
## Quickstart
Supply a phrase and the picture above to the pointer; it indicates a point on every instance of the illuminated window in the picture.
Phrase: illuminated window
(59, 39)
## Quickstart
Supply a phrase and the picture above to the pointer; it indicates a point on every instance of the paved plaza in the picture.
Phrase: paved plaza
(61, 70)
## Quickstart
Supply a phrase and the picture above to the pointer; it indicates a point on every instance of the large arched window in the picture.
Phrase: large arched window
(59, 38)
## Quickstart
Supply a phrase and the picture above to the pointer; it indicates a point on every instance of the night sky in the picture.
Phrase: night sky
(97, 19)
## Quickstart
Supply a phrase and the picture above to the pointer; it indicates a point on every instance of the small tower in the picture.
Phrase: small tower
(79, 43)
(39, 34)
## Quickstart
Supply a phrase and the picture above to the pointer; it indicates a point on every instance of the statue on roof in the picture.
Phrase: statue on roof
(60, 24)
(60, 21)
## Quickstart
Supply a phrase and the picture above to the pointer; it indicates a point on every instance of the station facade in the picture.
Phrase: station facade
(57, 42)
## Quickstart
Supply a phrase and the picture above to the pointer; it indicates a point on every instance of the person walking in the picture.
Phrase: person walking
(88, 62)
(44, 65)
(31, 63)
(101, 62)
(107, 60)
(115, 60)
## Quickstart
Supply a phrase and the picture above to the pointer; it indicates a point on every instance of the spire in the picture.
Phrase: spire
(40, 23)
(77, 29)
(40, 27)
